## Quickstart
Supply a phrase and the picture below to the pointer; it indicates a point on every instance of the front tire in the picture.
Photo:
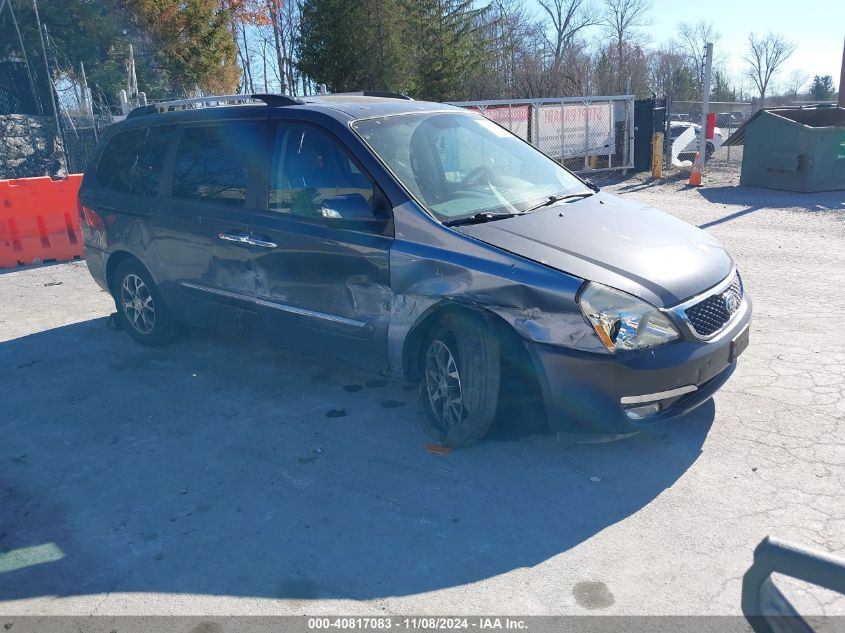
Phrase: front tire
(461, 374)
(140, 306)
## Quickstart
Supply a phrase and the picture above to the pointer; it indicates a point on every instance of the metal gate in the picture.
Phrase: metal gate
(650, 116)
(585, 134)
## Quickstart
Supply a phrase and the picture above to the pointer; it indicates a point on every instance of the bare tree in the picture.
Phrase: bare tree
(273, 9)
(669, 73)
(765, 56)
(694, 37)
(245, 56)
(568, 18)
(621, 19)
(507, 33)
(796, 82)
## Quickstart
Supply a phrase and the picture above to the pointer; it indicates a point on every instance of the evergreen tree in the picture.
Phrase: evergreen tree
(684, 85)
(354, 45)
(721, 89)
(447, 49)
(822, 88)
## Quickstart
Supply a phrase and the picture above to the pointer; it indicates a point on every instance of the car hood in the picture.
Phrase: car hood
(620, 243)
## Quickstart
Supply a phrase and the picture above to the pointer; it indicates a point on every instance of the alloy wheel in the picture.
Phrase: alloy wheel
(138, 303)
(443, 384)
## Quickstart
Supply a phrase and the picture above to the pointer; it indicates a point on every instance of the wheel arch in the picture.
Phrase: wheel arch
(412, 351)
(115, 260)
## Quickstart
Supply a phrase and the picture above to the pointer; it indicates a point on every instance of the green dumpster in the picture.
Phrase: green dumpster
(796, 149)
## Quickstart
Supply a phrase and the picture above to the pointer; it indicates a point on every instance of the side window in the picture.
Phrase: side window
(313, 177)
(212, 162)
(132, 161)
(147, 171)
(117, 162)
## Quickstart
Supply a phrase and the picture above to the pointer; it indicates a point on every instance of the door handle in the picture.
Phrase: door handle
(240, 238)
(262, 243)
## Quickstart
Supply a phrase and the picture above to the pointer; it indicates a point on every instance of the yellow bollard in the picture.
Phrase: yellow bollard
(657, 155)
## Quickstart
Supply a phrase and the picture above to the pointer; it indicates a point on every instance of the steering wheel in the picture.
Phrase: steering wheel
(475, 175)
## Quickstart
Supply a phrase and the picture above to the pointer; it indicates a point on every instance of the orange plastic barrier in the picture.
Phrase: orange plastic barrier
(39, 220)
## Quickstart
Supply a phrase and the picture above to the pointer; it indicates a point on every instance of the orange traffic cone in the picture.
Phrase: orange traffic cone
(695, 174)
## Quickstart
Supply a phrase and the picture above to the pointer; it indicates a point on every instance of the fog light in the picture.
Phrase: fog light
(643, 411)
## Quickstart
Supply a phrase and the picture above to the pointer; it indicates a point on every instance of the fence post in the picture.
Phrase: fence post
(562, 133)
(625, 132)
(629, 135)
(586, 134)
(705, 103)
(667, 142)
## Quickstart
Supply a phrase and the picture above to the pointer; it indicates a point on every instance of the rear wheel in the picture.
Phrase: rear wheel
(461, 375)
(140, 306)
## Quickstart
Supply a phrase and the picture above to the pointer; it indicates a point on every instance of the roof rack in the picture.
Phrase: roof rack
(187, 104)
(370, 93)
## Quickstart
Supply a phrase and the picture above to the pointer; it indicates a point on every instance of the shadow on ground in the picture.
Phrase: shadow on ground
(755, 199)
(751, 199)
(213, 467)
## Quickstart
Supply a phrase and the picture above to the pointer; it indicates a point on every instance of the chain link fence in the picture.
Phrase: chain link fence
(729, 116)
(80, 134)
(585, 134)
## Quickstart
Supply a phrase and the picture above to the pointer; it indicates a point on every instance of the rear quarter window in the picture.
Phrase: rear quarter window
(114, 170)
(132, 161)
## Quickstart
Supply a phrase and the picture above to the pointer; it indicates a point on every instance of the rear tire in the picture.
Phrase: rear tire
(461, 372)
(140, 306)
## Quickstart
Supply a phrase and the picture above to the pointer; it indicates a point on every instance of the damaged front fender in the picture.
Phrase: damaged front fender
(432, 270)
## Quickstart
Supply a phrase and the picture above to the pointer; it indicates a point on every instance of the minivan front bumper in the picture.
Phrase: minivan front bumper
(590, 393)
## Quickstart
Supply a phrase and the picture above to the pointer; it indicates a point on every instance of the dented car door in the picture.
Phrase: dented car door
(321, 250)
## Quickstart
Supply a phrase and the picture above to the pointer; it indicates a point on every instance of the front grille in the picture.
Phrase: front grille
(711, 314)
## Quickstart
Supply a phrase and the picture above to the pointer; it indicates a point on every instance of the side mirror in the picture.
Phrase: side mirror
(351, 207)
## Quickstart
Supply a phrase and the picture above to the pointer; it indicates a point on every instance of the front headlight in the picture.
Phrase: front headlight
(622, 321)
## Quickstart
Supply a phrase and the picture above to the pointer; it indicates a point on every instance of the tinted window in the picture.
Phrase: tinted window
(132, 161)
(309, 167)
(213, 162)
(147, 172)
(117, 162)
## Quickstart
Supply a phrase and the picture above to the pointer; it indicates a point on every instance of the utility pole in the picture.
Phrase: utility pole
(54, 96)
(705, 103)
(89, 103)
(35, 98)
(842, 80)
(83, 101)
(131, 79)
(42, 32)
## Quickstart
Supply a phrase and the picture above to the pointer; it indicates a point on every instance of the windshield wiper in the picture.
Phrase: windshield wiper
(480, 218)
(555, 199)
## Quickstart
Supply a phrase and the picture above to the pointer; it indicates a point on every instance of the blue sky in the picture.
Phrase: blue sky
(817, 27)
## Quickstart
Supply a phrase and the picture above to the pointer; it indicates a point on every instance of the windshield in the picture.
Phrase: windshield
(459, 164)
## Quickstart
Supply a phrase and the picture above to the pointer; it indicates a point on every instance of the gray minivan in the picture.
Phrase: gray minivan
(414, 239)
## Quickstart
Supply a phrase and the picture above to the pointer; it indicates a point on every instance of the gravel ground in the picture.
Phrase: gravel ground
(206, 478)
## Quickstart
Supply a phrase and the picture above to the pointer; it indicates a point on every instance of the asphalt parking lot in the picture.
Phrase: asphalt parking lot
(218, 476)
